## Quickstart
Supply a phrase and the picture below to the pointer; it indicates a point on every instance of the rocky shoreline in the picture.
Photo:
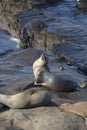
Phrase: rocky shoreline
(59, 31)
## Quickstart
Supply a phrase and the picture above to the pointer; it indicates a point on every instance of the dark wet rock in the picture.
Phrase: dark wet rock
(1, 106)
(71, 53)
(24, 57)
(36, 33)
(83, 68)
(27, 33)
(8, 9)
(11, 7)
(82, 4)
(60, 26)
(2, 85)
(52, 1)
(47, 1)
(60, 23)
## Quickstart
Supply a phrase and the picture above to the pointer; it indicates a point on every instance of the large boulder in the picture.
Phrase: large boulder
(42, 118)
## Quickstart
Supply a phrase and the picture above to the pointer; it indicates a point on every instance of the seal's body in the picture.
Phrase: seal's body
(26, 99)
(79, 108)
(47, 79)
(55, 82)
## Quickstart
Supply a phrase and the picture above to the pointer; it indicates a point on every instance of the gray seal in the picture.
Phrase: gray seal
(49, 80)
(26, 99)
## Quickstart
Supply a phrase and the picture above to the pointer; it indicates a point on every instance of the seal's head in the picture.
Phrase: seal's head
(40, 62)
(43, 59)
(39, 65)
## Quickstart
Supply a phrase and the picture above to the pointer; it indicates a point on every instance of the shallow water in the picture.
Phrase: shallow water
(7, 42)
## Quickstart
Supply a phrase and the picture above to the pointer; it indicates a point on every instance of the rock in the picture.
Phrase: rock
(64, 29)
(61, 68)
(71, 53)
(42, 118)
(8, 9)
(52, 1)
(9, 128)
(86, 121)
(83, 68)
(27, 33)
(82, 4)
(23, 57)
(1, 106)
(59, 21)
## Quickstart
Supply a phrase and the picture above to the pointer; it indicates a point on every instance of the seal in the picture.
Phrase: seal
(47, 79)
(82, 4)
(27, 99)
(79, 108)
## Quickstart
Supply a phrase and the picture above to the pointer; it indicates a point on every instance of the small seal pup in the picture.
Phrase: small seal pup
(27, 99)
(47, 79)
(79, 108)
(82, 4)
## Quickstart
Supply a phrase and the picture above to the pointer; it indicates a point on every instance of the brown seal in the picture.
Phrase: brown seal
(79, 108)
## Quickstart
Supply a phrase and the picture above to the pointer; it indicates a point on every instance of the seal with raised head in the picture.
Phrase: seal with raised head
(47, 79)
(27, 99)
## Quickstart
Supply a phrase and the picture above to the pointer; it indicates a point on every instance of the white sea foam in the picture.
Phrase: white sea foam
(15, 40)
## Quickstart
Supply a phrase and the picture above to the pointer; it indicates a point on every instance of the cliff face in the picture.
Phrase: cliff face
(7, 10)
